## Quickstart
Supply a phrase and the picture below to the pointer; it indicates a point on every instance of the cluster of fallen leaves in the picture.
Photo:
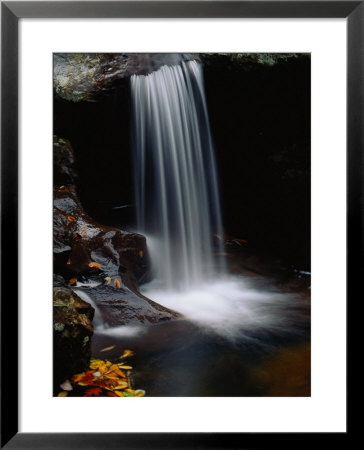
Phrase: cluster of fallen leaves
(96, 267)
(116, 282)
(104, 378)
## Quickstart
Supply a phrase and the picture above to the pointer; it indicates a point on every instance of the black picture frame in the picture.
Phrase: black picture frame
(11, 12)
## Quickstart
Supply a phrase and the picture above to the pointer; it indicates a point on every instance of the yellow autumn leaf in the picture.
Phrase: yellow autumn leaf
(111, 376)
(120, 373)
(126, 354)
(62, 394)
(121, 386)
(141, 253)
(119, 393)
(126, 367)
(131, 391)
(78, 377)
(96, 363)
(103, 369)
(106, 349)
(94, 366)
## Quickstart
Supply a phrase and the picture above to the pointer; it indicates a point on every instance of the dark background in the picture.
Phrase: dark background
(260, 121)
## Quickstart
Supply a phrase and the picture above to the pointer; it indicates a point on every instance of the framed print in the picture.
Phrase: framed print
(205, 192)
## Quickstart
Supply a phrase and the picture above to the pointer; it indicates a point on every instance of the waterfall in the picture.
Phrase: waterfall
(176, 184)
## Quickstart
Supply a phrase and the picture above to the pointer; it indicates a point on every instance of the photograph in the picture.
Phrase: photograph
(181, 224)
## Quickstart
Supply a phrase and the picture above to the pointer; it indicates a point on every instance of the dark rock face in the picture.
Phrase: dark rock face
(122, 306)
(79, 241)
(259, 107)
(72, 331)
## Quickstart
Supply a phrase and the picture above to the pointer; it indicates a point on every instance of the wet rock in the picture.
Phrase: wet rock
(79, 241)
(58, 280)
(122, 306)
(72, 332)
(87, 76)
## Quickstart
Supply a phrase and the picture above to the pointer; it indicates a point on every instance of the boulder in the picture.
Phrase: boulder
(121, 306)
(72, 332)
(83, 247)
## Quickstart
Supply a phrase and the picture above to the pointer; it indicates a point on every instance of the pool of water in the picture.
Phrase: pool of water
(256, 343)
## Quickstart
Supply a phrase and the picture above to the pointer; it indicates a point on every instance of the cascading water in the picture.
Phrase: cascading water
(175, 175)
(178, 210)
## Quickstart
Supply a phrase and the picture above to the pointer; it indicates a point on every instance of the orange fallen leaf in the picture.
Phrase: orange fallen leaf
(112, 394)
(117, 283)
(71, 218)
(93, 392)
(68, 261)
(103, 369)
(73, 281)
(94, 265)
(111, 376)
(120, 373)
(78, 377)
